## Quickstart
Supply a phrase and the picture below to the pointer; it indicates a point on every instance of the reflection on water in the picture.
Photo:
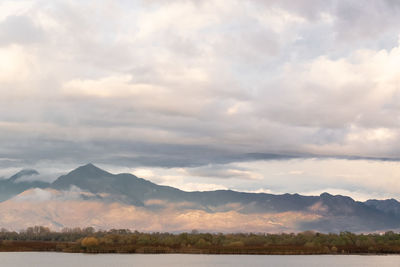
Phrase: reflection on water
(43, 259)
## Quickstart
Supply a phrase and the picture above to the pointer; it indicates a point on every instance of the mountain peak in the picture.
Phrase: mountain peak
(90, 168)
(81, 176)
(88, 165)
(24, 172)
(325, 195)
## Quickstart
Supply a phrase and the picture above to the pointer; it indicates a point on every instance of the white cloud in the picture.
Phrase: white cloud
(14, 65)
(42, 195)
(360, 179)
(9, 8)
(202, 187)
(189, 84)
(35, 195)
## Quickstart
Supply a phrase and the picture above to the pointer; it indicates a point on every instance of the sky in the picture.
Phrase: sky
(258, 96)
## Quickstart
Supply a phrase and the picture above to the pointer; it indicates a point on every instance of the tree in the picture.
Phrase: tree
(90, 242)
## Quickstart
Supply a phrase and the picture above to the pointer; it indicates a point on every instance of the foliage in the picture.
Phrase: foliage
(40, 238)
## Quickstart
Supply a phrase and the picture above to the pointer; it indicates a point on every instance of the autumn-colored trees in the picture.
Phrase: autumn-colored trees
(90, 242)
(123, 240)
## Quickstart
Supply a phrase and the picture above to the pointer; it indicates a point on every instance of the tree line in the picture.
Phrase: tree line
(127, 241)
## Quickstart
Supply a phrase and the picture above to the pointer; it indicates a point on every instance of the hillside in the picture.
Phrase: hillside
(90, 196)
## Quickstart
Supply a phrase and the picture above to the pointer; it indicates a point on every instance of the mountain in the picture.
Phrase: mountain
(124, 187)
(389, 206)
(128, 201)
(137, 191)
(22, 173)
(17, 184)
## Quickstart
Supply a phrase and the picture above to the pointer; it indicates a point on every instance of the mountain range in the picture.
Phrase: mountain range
(90, 196)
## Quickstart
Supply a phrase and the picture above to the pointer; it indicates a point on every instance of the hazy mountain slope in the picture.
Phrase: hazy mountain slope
(126, 187)
(389, 206)
(136, 191)
(326, 212)
(58, 209)
(15, 185)
(341, 213)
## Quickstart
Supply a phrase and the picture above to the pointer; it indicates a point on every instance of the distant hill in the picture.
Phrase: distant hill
(15, 184)
(88, 184)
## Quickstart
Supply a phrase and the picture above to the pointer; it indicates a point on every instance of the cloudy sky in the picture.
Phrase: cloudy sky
(263, 96)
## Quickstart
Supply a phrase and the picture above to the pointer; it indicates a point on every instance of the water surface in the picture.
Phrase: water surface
(43, 259)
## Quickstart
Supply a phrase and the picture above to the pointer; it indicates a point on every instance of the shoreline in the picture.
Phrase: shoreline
(76, 247)
(124, 241)
(213, 254)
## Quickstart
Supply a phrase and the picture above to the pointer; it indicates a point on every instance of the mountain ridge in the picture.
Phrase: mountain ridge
(13, 185)
(330, 212)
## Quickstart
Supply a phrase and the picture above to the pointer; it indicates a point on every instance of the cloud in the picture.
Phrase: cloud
(19, 30)
(39, 195)
(190, 187)
(35, 194)
(223, 171)
(360, 179)
(179, 84)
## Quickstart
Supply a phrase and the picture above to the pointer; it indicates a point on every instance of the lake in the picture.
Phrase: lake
(43, 259)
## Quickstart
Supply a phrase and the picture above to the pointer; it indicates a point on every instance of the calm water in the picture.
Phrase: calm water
(33, 259)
